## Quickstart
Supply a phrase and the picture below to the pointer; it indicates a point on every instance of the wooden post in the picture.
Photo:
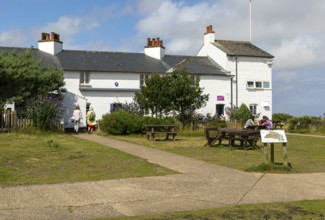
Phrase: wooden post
(284, 149)
(272, 152)
(266, 153)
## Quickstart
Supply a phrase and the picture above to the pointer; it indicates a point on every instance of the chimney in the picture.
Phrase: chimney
(50, 43)
(209, 35)
(155, 48)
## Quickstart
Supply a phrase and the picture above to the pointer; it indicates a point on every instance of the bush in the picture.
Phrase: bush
(281, 117)
(241, 114)
(45, 111)
(304, 122)
(122, 123)
(216, 123)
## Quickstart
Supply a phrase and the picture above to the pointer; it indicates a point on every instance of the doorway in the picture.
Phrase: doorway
(220, 109)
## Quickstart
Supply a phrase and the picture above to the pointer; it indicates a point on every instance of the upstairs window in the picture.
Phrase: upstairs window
(84, 78)
(266, 85)
(250, 84)
(258, 85)
(143, 78)
(196, 78)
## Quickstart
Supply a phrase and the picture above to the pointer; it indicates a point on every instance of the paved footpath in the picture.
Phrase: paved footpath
(199, 185)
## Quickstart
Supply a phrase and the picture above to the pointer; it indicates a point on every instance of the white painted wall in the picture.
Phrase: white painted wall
(217, 55)
(252, 69)
(215, 86)
(101, 100)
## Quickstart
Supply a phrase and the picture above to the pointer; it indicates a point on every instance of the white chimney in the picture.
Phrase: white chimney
(50, 43)
(209, 35)
(155, 48)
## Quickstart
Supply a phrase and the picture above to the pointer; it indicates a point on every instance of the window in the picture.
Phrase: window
(266, 85)
(253, 108)
(196, 78)
(84, 78)
(143, 79)
(250, 84)
(258, 85)
(115, 106)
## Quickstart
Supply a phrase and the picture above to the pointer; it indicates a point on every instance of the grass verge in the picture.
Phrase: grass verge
(294, 210)
(54, 158)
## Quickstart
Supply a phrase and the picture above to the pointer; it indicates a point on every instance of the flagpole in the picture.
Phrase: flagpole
(250, 20)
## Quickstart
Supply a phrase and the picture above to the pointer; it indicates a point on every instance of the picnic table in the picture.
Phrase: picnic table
(256, 127)
(169, 130)
(244, 136)
(277, 124)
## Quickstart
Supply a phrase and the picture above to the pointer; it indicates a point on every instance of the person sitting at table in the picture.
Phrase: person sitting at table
(249, 122)
(267, 123)
(207, 118)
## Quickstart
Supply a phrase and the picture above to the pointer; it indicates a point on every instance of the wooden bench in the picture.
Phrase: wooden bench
(245, 137)
(169, 130)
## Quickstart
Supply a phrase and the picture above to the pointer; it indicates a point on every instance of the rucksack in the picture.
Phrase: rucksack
(92, 116)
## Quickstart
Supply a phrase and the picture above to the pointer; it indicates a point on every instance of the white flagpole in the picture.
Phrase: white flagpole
(250, 20)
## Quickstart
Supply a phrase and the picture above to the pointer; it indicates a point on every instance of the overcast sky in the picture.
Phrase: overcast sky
(291, 30)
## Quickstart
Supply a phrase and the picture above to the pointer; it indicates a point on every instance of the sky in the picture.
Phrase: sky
(291, 30)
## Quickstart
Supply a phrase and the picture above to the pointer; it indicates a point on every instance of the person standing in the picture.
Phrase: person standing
(77, 116)
(91, 120)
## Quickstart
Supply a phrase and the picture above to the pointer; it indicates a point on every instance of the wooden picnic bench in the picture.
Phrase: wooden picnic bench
(169, 130)
(277, 124)
(244, 136)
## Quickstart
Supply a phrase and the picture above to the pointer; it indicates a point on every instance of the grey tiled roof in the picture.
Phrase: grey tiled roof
(241, 48)
(97, 61)
(47, 59)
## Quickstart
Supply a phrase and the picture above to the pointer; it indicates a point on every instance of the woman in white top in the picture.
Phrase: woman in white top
(250, 122)
(77, 116)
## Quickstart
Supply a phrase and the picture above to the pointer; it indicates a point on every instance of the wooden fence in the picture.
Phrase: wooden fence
(9, 121)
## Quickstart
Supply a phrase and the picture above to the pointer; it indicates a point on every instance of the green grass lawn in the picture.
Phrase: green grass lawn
(294, 210)
(54, 158)
(305, 154)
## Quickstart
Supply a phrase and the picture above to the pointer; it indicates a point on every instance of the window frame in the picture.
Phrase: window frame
(84, 78)
(258, 85)
(253, 108)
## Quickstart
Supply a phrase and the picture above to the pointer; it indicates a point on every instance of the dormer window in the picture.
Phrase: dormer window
(84, 78)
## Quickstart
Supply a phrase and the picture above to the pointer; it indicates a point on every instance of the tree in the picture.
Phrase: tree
(172, 92)
(186, 95)
(23, 76)
(155, 95)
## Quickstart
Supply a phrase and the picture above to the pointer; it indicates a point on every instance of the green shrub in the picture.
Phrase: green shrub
(216, 123)
(281, 117)
(304, 122)
(122, 123)
(241, 114)
(45, 111)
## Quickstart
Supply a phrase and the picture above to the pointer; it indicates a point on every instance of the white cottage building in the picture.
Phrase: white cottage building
(231, 72)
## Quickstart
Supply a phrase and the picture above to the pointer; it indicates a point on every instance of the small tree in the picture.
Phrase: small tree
(186, 95)
(176, 92)
(154, 95)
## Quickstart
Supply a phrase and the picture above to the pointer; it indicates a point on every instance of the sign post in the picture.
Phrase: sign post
(271, 137)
